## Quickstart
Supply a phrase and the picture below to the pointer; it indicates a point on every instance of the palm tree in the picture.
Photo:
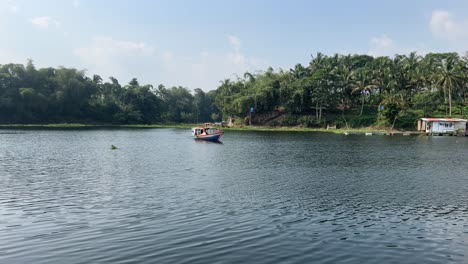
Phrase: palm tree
(299, 86)
(362, 84)
(411, 67)
(384, 78)
(449, 78)
(299, 71)
(464, 68)
(397, 102)
(248, 76)
(344, 75)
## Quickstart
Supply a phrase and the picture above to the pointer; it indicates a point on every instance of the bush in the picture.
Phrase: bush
(407, 119)
(341, 122)
(239, 121)
(387, 116)
(428, 102)
(362, 121)
(290, 120)
(307, 121)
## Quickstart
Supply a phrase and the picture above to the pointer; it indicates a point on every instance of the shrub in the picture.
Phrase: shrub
(290, 120)
(362, 121)
(407, 119)
(306, 121)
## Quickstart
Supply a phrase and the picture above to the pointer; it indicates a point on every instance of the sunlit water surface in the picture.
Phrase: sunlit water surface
(161, 197)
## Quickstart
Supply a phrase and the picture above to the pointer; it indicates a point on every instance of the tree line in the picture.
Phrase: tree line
(348, 90)
(356, 89)
(56, 95)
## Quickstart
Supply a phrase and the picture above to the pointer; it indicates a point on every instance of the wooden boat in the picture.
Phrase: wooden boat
(207, 133)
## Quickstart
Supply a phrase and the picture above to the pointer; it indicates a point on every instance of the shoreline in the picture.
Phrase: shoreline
(362, 130)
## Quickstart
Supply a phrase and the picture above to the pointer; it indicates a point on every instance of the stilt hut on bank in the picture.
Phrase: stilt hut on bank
(440, 126)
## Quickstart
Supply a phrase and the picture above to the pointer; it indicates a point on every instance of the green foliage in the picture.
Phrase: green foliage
(388, 115)
(340, 89)
(215, 116)
(362, 121)
(63, 95)
(306, 121)
(407, 119)
(337, 85)
(427, 102)
(291, 120)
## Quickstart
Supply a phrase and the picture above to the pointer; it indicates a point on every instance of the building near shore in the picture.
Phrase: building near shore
(443, 125)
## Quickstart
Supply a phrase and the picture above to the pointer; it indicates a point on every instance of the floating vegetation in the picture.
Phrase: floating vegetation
(113, 147)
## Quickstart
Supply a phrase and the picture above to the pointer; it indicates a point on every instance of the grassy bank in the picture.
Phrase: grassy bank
(304, 129)
(75, 125)
(45, 125)
(188, 126)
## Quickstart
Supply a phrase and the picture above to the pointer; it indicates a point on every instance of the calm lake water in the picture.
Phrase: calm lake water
(260, 197)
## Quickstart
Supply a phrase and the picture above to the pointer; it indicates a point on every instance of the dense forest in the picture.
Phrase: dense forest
(354, 90)
(48, 95)
(351, 90)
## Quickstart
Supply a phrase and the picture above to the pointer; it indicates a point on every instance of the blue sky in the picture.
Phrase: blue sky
(196, 43)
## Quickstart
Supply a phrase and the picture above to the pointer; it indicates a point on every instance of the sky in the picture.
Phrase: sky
(198, 43)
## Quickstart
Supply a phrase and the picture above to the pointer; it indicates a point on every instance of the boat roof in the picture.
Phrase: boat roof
(204, 128)
(433, 119)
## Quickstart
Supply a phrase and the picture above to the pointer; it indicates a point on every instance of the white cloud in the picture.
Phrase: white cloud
(382, 46)
(453, 31)
(111, 57)
(235, 42)
(386, 46)
(10, 6)
(76, 3)
(208, 68)
(104, 50)
(14, 8)
(444, 25)
(44, 22)
(10, 56)
(126, 59)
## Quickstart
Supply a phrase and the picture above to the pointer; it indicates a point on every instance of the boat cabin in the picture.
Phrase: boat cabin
(204, 131)
(443, 125)
(207, 133)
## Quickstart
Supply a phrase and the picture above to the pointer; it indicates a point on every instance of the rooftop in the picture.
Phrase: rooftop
(433, 119)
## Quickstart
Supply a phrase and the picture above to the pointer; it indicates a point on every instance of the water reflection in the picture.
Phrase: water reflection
(65, 197)
(202, 141)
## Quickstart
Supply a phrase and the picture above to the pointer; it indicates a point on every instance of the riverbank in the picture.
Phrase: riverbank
(188, 126)
(78, 125)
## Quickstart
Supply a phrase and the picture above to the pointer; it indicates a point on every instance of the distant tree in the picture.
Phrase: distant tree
(449, 78)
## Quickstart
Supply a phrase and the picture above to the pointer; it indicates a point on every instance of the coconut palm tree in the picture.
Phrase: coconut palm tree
(344, 77)
(362, 84)
(465, 77)
(382, 70)
(411, 65)
(249, 76)
(449, 78)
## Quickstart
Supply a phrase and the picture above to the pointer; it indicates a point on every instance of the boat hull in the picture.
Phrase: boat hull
(213, 137)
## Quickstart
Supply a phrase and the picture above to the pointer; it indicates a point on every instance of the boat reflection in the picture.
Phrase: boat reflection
(202, 141)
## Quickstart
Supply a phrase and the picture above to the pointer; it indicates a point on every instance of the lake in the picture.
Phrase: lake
(260, 197)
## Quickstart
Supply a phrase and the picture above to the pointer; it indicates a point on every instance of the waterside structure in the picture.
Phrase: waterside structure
(443, 126)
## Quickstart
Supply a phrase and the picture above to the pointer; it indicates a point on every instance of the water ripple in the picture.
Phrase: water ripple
(65, 197)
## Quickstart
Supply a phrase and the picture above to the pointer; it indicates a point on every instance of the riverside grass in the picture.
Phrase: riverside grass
(188, 126)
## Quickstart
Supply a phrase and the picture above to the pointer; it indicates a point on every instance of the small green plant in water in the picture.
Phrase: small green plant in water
(113, 147)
